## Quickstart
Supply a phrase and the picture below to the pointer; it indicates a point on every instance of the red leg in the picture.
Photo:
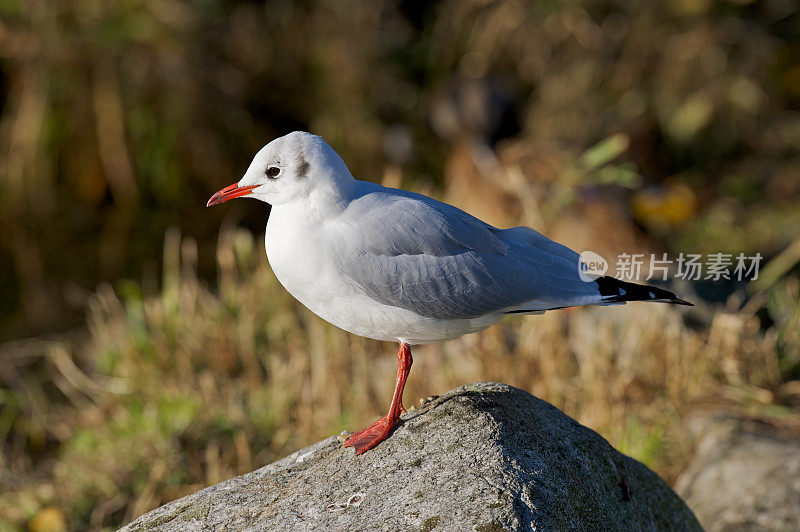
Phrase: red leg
(366, 439)
(404, 361)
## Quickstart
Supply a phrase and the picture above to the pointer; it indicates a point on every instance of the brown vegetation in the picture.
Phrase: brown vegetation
(619, 126)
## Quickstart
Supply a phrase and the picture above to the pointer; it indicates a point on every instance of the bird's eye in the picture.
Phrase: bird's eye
(273, 172)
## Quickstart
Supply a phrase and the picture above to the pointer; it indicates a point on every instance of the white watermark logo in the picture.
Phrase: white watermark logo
(591, 266)
(689, 266)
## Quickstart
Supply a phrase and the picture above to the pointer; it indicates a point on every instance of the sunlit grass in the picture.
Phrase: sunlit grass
(181, 389)
(119, 118)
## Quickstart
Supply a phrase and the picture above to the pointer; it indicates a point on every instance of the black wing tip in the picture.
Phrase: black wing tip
(615, 291)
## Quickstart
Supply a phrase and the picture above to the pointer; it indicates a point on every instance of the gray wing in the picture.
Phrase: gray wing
(413, 252)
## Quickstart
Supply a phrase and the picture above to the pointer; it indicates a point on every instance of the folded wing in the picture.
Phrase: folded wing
(422, 255)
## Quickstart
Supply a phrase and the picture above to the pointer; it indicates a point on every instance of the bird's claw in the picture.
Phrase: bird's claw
(366, 439)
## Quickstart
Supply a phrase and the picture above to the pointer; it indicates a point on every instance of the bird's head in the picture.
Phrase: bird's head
(291, 166)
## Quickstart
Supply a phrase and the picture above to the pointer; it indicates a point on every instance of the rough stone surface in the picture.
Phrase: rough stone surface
(744, 476)
(482, 457)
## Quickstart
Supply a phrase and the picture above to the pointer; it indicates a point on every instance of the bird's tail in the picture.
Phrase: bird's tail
(615, 291)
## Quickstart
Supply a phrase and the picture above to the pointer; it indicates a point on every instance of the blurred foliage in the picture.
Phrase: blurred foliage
(675, 123)
(181, 389)
(118, 119)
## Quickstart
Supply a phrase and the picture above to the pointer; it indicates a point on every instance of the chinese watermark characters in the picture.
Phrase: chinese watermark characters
(688, 266)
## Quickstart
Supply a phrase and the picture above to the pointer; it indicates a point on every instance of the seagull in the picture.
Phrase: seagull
(402, 267)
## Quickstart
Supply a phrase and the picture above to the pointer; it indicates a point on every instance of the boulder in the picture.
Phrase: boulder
(745, 475)
(484, 457)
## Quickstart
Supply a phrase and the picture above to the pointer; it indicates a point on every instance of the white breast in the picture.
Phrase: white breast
(304, 261)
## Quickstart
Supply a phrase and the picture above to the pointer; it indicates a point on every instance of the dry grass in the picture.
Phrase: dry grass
(118, 119)
(184, 388)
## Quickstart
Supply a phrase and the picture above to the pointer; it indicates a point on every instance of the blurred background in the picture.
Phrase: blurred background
(146, 349)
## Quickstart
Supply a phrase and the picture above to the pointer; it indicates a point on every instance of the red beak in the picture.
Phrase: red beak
(233, 191)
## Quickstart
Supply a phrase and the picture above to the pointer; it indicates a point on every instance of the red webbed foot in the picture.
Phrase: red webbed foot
(366, 439)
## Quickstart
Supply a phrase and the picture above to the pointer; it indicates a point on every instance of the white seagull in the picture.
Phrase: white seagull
(402, 267)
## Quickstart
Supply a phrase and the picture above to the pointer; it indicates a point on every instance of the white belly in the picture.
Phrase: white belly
(297, 253)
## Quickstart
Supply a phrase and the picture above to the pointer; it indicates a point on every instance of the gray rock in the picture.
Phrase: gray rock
(744, 476)
(482, 457)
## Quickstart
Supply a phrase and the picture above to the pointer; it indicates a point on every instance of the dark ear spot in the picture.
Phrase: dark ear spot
(302, 169)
